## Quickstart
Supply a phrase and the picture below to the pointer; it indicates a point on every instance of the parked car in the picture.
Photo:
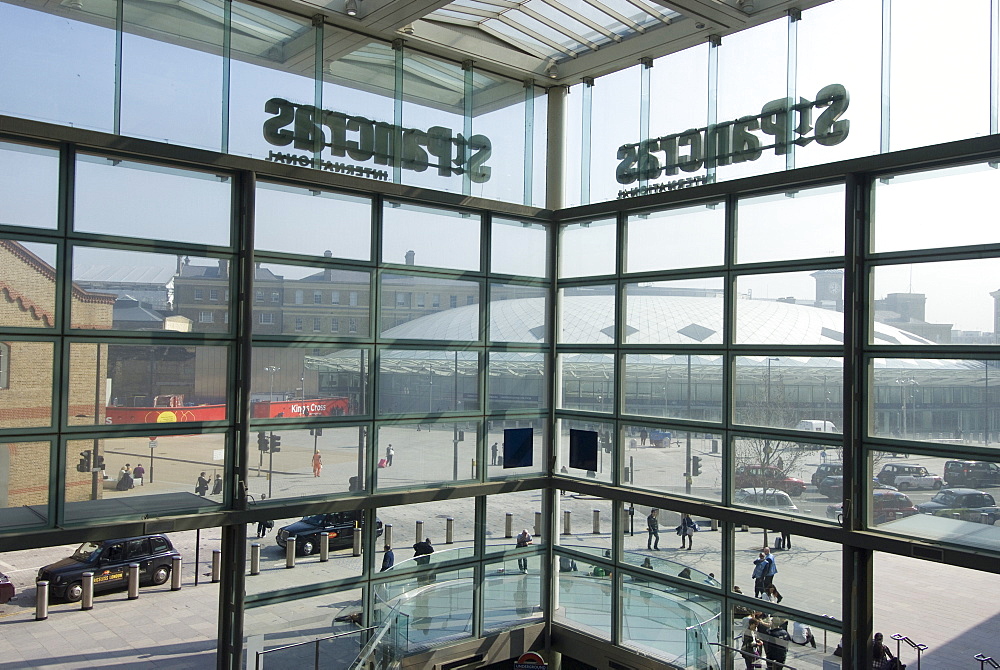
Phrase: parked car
(767, 477)
(340, 526)
(826, 470)
(971, 474)
(771, 498)
(109, 561)
(909, 476)
(886, 506)
(833, 486)
(970, 504)
(6, 589)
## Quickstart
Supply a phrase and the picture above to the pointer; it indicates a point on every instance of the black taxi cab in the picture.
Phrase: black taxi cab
(109, 561)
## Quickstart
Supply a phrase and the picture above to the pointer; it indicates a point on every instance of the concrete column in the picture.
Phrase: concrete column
(555, 147)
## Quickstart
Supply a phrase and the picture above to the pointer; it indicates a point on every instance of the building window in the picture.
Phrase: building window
(258, 296)
(213, 294)
(420, 300)
(436, 300)
(453, 301)
(317, 297)
(334, 297)
(353, 298)
(300, 297)
(470, 300)
(352, 326)
(317, 324)
(275, 296)
(298, 324)
(206, 317)
(334, 325)
(225, 316)
(266, 318)
(4, 366)
(199, 294)
(226, 295)
(402, 299)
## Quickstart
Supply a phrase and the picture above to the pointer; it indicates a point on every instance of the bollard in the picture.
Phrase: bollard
(87, 600)
(41, 600)
(508, 525)
(175, 573)
(216, 565)
(538, 524)
(290, 552)
(449, 531)
(567, 526)
(625, 518)
(133, 581)
(597, 521)
(324, 547)
(472, 475)
(255, 558)
(715, 446)
(357, 540)
(420, 531)
(715, 524)
(387, 533)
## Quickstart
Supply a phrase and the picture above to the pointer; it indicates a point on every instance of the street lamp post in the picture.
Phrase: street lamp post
(767, 403)
(903, 383)
(271, 369)
(687, 449)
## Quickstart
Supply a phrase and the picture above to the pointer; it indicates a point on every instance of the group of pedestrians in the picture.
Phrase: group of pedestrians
(767, 639)
(685, 530)
(764, 570)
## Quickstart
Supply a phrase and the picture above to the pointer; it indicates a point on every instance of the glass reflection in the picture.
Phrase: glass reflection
(24, 499)
(29, 191)
(682, 237)
(429, 453)
(790, 308)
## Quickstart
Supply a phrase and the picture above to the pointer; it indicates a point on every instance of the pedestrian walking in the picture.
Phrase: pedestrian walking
(523, 540)
(317, 463)
(653, 530)
(759, 566)
(388, 559)
(263, 527)
(201, 486)
(389, 453)
(493, 453)
(217, 485)
(422, 551)
(139, 473)
(785, 539)
(642, 437)
(686, 530)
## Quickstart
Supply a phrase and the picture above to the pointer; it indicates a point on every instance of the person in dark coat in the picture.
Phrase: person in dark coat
(653, 530)
(776, 644)
(201, 486)
(422, 551)
(217, 485)
(388, 559)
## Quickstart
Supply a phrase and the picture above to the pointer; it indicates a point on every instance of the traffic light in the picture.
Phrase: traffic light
(695, 466)
(84, 464)
(316, 432)
(262, 441)
(99, 462)
(275, 443)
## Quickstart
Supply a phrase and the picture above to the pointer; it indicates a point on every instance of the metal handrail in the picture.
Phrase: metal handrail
(702, 623)
(769, 662)
(316, 642)
(985, 660)
(921, 648)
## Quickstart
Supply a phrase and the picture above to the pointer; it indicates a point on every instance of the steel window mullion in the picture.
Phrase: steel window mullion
(585, 140)
(227, 39)
(886, 86)
(794, 16)
(528, 168)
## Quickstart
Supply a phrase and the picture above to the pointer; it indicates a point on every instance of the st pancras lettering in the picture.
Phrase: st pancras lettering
(737, 141)
(307, 128)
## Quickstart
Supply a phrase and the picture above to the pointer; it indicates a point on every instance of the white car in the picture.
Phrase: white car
(775, 499)
(905, 477)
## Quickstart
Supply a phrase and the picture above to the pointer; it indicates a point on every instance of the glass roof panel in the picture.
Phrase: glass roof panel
(567, 21)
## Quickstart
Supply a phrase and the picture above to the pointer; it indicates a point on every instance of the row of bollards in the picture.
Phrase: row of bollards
(87, 585)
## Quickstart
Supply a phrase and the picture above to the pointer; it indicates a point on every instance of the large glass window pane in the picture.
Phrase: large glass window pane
(26, 384)
(908, 209)
(587, 382)
(438, 609)
(853, 68)
(772, 474)
(298, 382)
(686, 311)
(670, 623)
(132, 477)
(146, 383)
(498, 112)
(950, 401)
(342, 221)
(519, 248)
(510, 597)
(270, 82)
(949, 302)
(684, 237)
(295, 622)
(794, 224)
(29, 191)
(421, 381)
(411, 234)
(587, 314)
(159, 95)
(803, 393)
(517, 381)
(508, 515)
(671, 543)
(28, 288)
(585, 525)
(119, 197)
(69, 76)
(656, 459)
(926, 55)
(409, 301)
(313, 301)
(434, 116)
(24, 483)
(683, 387)
(427, 453)
(752, 77)
(518, 313)
(587, 249)
(790, 308)
(407, 525)
(585, 592)
(615, 122)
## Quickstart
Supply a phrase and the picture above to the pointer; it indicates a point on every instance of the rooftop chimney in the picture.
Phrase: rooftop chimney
(409, 257)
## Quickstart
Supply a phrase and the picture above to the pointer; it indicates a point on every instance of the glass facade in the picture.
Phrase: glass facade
(207, 330)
